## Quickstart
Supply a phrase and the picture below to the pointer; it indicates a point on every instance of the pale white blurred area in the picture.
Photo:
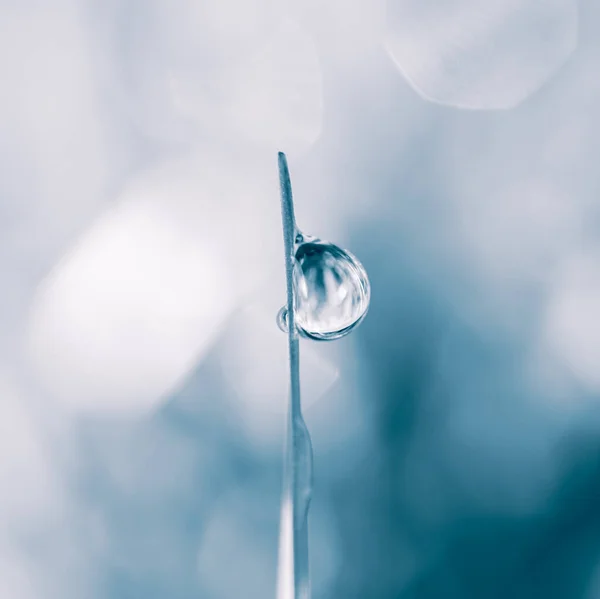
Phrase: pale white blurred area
(272, 97)
(346, 32)
(48, 541)
(16, 579)
(58, 147)
(54, 139)
(217, 70)
(143, 294)
(121, 318)
(214, 31)
(480, 55)
(33, 495)
(162, 41)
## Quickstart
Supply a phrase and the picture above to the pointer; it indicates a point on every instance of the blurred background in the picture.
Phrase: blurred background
(452, 146)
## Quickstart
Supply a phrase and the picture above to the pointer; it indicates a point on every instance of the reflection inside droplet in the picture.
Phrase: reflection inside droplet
(332, 291)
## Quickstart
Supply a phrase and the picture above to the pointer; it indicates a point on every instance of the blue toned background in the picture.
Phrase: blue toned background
(452, 146)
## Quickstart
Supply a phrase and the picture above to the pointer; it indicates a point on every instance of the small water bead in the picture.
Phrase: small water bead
(332, 291)
(282, 319)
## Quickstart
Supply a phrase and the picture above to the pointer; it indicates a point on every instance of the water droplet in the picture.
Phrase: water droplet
(282, 319)
(331, 289)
